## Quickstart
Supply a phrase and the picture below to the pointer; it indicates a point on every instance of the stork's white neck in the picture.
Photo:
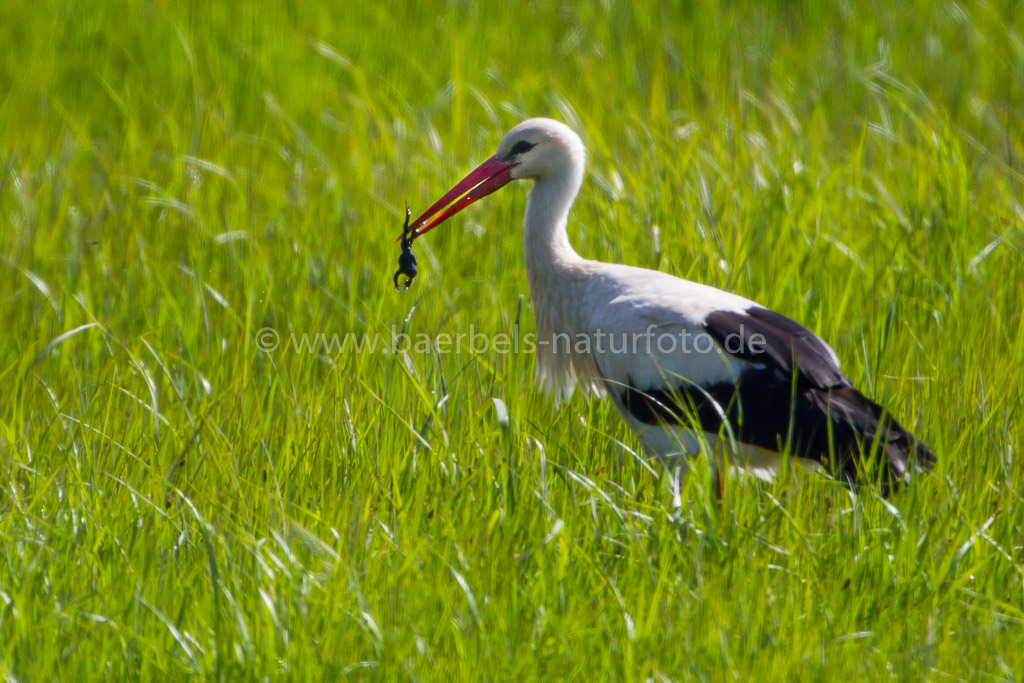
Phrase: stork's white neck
(557, 277)
(545, 242)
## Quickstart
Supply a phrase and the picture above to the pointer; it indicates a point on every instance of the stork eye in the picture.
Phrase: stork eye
(521, 147)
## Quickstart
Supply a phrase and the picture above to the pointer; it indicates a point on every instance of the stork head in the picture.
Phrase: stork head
(536, 149)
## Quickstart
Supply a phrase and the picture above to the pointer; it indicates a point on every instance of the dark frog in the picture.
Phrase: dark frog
(406, 261)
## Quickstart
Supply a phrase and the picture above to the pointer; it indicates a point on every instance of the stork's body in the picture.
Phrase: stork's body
(678, 359)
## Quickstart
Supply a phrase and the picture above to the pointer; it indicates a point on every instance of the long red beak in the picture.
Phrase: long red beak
(485, 179)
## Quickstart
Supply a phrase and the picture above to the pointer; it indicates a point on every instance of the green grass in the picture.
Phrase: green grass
(176, 503)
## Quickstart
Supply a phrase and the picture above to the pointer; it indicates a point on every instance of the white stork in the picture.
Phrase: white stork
(736, 371)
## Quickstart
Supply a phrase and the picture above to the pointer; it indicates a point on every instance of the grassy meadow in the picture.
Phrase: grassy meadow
(177, 502)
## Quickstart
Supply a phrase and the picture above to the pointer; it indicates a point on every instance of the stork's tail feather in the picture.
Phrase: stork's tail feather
(857, 424)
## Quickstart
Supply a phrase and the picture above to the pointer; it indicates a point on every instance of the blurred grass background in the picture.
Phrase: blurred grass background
(177, 503)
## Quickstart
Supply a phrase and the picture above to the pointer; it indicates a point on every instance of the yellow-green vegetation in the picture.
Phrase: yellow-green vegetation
(176, 502)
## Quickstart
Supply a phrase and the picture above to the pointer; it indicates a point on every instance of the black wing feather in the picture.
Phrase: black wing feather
(792, 394)
(758, 332)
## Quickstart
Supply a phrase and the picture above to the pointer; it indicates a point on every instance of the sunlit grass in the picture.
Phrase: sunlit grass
(176, 502)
